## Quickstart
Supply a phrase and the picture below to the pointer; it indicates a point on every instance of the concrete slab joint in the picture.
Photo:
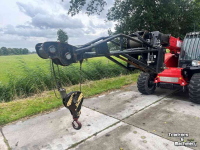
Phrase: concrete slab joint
(3, 145)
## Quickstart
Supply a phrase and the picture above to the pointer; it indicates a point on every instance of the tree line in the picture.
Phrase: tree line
(13, 51)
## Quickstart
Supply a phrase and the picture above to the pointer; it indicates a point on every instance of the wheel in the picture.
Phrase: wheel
(145, 84)
(194, 88)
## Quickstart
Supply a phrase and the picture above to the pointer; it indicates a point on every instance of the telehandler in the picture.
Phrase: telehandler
(142, 50)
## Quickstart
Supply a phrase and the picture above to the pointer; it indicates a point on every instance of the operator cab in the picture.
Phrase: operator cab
(190, 51)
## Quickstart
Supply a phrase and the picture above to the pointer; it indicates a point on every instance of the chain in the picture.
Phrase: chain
(80, 73)
(58, 85)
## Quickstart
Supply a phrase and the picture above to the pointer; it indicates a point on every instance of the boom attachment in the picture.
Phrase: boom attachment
(141, 50)
(144, 49)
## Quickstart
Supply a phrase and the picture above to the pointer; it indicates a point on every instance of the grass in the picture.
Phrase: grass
(14, 110)
(15, 65)
(12, 65)
(25, 75)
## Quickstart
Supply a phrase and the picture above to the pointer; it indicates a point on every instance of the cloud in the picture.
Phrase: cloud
(30, 10)
(80, 40)
(75, 33)
(13, 41)
(104, 25)
(43, 19)
(56, 21)
(24, 26)
(90, 30)
(28, 32)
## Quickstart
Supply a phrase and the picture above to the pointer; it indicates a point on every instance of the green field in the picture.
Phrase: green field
(14, 65)
(25, 75)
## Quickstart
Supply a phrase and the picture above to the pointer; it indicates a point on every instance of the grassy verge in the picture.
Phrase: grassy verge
(33, 78)
(46, 101)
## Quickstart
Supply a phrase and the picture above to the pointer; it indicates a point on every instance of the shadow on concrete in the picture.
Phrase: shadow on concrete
(180, 95)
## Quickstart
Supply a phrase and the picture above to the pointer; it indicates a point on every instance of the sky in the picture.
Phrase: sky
(23, 24)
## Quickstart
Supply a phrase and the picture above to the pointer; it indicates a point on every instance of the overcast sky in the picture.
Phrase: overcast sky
(23, 24)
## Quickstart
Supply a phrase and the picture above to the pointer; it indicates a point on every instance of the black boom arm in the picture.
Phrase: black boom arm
(143, 50)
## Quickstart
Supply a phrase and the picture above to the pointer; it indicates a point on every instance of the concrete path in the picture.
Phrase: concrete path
(121, 120)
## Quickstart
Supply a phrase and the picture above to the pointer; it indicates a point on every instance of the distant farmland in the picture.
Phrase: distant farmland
(23, 75)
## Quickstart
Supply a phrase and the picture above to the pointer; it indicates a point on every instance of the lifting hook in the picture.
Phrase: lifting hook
(78, 125)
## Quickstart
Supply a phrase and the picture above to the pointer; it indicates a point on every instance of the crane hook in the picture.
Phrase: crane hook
(78, 125)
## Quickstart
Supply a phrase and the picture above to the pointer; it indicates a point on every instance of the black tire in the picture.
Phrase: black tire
(194, 88)
(145, 84)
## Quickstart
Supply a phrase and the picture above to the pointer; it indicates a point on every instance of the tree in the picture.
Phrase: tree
(93, 6)
(1, 52)
(62, 36)
(13, 51)
(168, 16)
(25, 51)
(4, 51)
